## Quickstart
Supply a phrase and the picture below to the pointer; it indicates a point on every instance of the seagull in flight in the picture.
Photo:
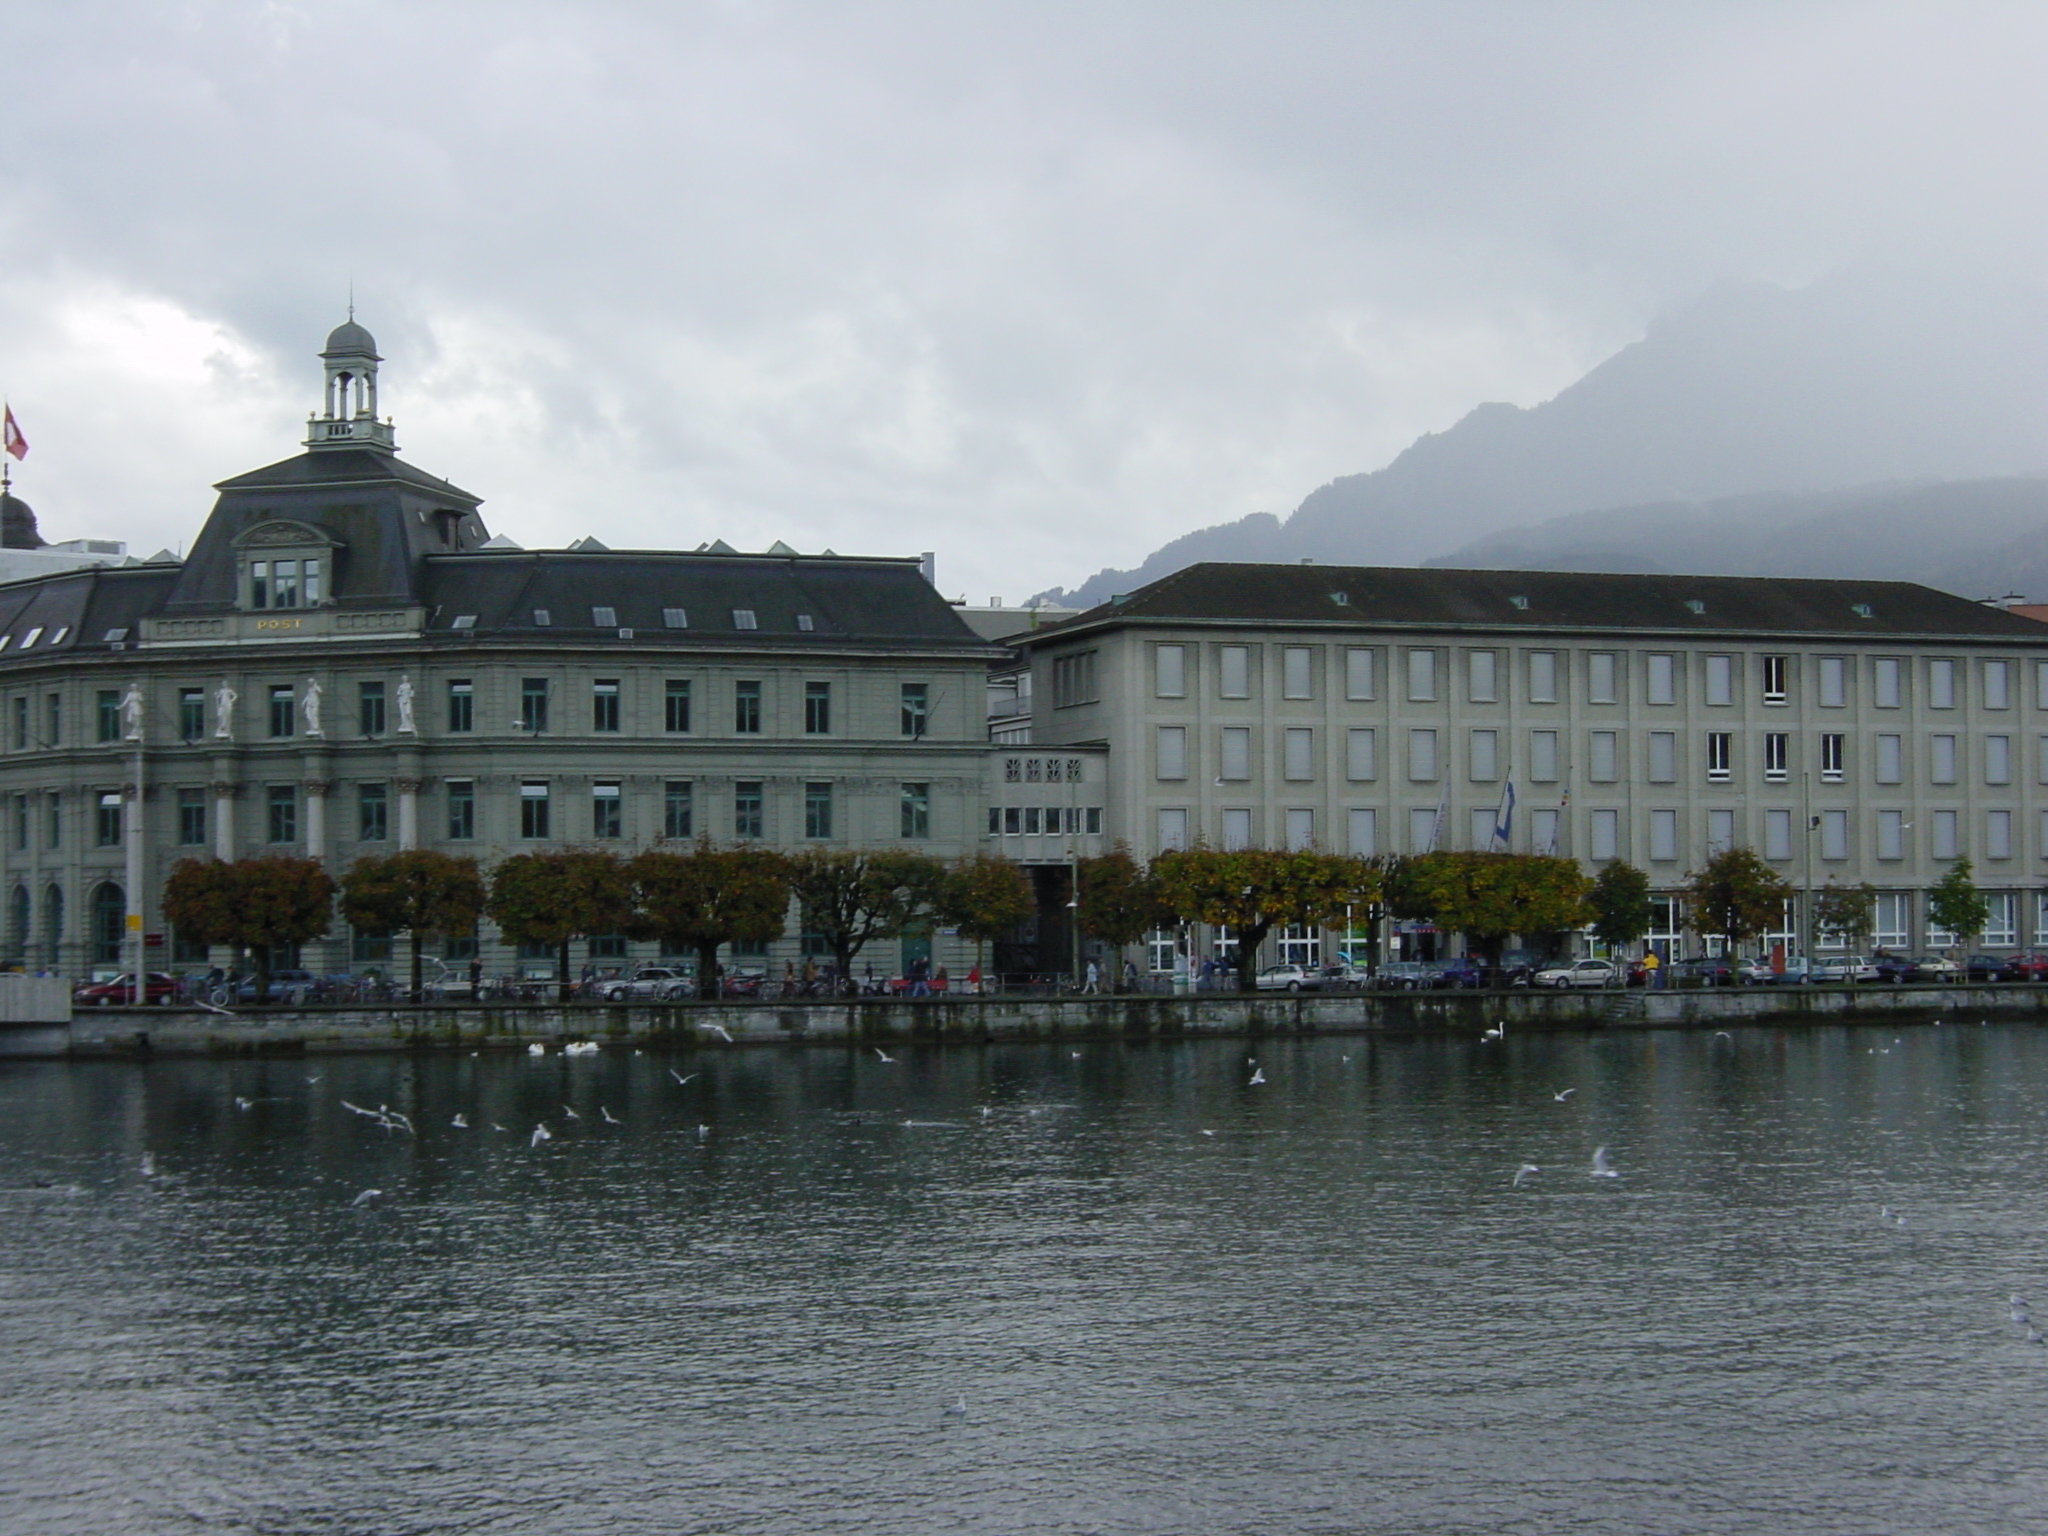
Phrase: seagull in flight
(1567, 1093)
(703, 1133)
(541, 1133)
(883, 1055)
(721, 1031)
(1523, 1172)
(149, 1165)
(609, 1117)
(1258, 1076)
(680, 1079)
(460, 1122)
(368, 1197)
(1600, 1169)
(570, 1113)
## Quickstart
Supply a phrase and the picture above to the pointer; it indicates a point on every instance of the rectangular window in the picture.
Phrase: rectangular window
(1660, 684)
(1481, 822)
(1170, 671)
(259, 583)
(1237, 830)
(1997, 685)
(192, 817)
(1941, 684)
(1890, 759)
(1777, 751)
(1720, 832)
(107, 824)
(1170, 748)
(1605, 827)
(746, 708)
(53, 720)
(1941, 759)
(1834, 834)
(1719, 751)
(461, 706)
(2001, 925)
(191, 714)
(1543, 756)
(1600, 683)
(916, 817)
(1777, 834)
(1421, 674)
(1721, 680)
(607, 810)
(1602, 757)
(1360, 683)
(1294, 672)
(1234, 672)
(678, 809)
(1885, 673)
(1998, 834)
(916, 707)
(1365, 832)
(1299, 749)
(1945, 840)
(1543, 832)
(1543, 677)
(1894, 913)
(818, 810)
(283, 711)
(743, 618)
(2041, 685)
(370, 708)
(1173, 830)
(1361, 754)
(1663, 835)
(1484, 755)
(1834, 682)
(461, 810)
(749, 813)
(1421, 830)
(817, 709)
(1031, 820)
(1481, 683)
(1073, 680)
(604, 617)
(676, 706)
(1422, 755)
(1237, 753)
(284, 813)
(533, 810)
(1663, 757)
(108, 713)
(604, 704)
(675, 618)
(533, 704)
(1777, 673)
(1997, 759)
(18, 716)
(373, 820)
(1301, 828)
(1891, 834)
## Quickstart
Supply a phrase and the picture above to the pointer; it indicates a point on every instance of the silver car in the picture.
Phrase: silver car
(655, 981)
(1582, 973)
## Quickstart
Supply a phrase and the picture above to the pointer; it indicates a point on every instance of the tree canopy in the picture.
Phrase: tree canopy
(1487, 896)
(985, 896)
(254, 904)
(1255, 890)
(708, 897)
(1736, 895)
(1119, 903)
(1846, 912)
(851, 896)
(416, 892)
(552, 898)
(1954, 903)
(1620, 900)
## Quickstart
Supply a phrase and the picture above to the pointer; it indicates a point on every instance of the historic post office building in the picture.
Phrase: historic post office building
(348, 663)
(1846, 730)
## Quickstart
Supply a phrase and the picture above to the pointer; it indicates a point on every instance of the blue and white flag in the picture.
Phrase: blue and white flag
(1504, 821)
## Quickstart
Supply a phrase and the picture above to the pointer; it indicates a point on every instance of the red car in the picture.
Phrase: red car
(2027, 967)
(158, 988)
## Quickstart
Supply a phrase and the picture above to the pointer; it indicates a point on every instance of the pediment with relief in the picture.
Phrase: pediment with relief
(284, 533)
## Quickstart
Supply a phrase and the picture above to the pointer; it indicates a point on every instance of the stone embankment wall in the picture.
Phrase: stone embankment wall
(124, 1032)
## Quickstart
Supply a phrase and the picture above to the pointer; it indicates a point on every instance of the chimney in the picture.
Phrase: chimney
(929, 564)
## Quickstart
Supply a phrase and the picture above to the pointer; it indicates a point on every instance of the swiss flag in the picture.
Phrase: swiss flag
(10, 436)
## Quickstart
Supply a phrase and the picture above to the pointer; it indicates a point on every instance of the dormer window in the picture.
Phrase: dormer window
(277, 575)
(285, 583)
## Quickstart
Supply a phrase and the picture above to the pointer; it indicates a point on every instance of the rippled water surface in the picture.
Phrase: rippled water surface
(1034, 1289)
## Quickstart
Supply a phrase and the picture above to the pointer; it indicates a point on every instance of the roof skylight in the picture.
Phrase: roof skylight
(743, 618)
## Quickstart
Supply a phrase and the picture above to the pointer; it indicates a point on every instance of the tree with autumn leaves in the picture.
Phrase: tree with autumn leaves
(1255, 890)
(708, 897)
(416, 892)
(1488, 896)
(252, 904)
(554, 897)
(984, 896)
(1737, 895)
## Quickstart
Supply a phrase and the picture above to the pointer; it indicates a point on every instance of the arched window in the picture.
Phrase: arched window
(109, 916)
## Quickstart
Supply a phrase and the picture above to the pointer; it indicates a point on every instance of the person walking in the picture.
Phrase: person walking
(1653, 970)
(1093, 977)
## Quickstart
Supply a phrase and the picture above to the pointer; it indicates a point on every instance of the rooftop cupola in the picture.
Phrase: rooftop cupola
(349, 415)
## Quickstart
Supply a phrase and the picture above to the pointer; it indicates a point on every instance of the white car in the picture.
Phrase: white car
(1851, 968)
(1583, 973)
(1287, 978)
(659, 981)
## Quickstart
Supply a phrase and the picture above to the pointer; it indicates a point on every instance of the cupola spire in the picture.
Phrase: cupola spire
(348, 418)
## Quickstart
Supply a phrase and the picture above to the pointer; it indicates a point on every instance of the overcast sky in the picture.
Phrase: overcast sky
(1033, 285)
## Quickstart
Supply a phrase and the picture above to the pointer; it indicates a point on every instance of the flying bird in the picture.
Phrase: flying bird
(721, 1031)
(609, 1118)
(460, 1122)
(703, 1133)
(1567, 1093)
(1523, 1172)
(570, 1113)
(884, 1055)
(680, 1079)
(368, 1197)
(1258, 1076)
(1600, 1169)
(149, 1165)
(541, 1133)
(240, 1102)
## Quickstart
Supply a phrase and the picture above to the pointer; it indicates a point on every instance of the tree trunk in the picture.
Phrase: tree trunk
(1248, 943)
(707, 972)
(842, 958)
(415, 965)
(563, 973)
(261, 954)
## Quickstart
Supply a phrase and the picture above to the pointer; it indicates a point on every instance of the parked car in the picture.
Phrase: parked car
(285, 986)
(1759, 972)
(1346, 974)
(1987, 968)
(2027, 966)
(1581, 973)
(156, 988)
(1517, 968)
(1700, 971)
(1843, 968)
(1287, 978)
(650, 981)
(1404, 976)
(1896, 968)
(1937, 968)
(1458, 971)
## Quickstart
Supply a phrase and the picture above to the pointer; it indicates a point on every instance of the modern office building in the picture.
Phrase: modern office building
(346, 663)
(1848, 731)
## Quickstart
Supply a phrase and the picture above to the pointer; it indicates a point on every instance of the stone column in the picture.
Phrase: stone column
(408, 814)
(224, 792)
(316, 817)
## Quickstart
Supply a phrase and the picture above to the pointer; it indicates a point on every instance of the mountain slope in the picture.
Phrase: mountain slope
(1869, 375)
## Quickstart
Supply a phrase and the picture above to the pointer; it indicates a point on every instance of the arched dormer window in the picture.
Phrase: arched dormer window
(285, 564)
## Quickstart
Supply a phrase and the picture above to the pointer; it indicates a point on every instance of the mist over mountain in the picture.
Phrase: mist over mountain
(1872, 375)
(1976, 538)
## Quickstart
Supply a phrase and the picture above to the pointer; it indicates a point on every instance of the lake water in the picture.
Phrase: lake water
(1155, 1295)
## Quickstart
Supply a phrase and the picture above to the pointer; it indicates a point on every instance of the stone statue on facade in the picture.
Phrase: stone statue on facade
(224, 712)
(131, 712)
(405, 725)
(309, 706)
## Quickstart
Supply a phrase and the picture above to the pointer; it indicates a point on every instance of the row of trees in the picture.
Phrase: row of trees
(696, 901)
